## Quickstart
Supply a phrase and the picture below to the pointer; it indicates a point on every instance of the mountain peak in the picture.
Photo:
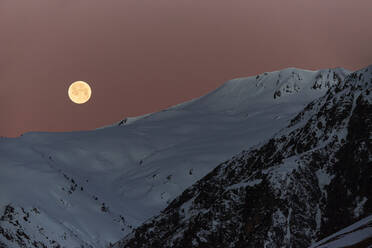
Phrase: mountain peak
(308, 181)
(291, 84)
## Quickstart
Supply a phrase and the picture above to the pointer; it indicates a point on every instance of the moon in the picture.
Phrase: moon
(79, 92)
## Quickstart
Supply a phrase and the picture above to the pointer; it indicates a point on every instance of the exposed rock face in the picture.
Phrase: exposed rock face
(310, 180)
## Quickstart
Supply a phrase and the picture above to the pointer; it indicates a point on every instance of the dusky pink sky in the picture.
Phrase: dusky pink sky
(141, 56)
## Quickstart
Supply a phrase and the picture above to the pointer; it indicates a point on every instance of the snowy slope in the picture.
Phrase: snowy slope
(90, 188)
(359, 233)
(311, 179)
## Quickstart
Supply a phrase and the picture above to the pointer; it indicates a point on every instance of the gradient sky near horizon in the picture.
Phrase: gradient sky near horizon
(141, 56)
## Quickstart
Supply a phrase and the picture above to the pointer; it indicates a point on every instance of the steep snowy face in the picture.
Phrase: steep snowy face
(90, 188)
(310, 180)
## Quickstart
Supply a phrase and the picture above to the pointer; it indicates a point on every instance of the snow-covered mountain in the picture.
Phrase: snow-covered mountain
(308, 181)
(91, 188)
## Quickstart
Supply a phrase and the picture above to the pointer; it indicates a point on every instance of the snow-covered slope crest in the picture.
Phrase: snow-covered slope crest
(242, 94)
(249, 94)
(356, 235)
(310, 180)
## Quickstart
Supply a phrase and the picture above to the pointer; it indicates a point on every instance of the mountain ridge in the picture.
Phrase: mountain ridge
(317, 79)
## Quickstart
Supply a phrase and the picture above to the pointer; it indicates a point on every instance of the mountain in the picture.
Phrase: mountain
(311, 179)
(91, 188)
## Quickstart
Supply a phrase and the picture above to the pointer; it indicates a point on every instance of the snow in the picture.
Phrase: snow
(280, 175)
(281, 221)
(244, 184)
(323, 179)
(318, 217)
(135, 169)
(359, 208)
(348, 236)
(288, 233)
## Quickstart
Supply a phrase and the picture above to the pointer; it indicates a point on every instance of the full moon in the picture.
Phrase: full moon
(79, 92)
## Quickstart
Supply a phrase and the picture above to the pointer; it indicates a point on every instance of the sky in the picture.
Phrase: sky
(141, 56)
